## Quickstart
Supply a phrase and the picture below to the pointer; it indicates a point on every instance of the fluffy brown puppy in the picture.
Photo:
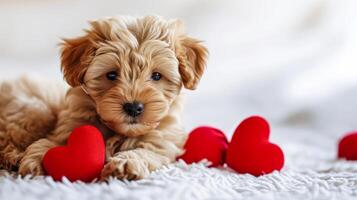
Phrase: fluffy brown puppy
(126, 76)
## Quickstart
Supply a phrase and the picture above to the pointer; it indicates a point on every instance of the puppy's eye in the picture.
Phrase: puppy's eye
(112, 76)
(156, 76)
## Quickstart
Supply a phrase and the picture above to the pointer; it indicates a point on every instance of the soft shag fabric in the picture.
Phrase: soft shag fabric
(312, 172)
(181, 181)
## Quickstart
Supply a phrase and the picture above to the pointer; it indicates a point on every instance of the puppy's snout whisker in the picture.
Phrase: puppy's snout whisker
(133, 109)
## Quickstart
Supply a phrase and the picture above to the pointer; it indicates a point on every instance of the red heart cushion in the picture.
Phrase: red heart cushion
(250, 150)
(205, 143)
(347, 147)
(82, 159)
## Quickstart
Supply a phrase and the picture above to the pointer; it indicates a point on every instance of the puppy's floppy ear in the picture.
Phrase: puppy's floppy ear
(192, 56)
(76, 55)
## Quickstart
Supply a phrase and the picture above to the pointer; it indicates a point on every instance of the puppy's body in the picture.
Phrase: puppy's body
(28, 112)
(126, 77)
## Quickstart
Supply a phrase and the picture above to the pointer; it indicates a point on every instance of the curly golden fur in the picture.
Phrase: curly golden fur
(33, 121)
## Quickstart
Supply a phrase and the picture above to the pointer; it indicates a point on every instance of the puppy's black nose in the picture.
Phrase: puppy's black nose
(133, 109)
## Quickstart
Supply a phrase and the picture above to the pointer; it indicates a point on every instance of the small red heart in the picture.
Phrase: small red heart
(250, 150)
(347, 147)
(205, 143)
(82, 159)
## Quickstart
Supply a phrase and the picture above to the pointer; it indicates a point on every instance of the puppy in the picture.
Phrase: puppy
(126, 77)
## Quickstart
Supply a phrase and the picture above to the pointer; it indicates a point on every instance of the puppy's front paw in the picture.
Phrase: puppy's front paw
(127, 167)
(31, 166)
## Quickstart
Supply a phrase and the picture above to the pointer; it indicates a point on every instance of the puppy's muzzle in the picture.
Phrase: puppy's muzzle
(133, 109)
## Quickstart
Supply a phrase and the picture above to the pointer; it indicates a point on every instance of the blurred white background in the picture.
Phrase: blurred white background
(294, 62)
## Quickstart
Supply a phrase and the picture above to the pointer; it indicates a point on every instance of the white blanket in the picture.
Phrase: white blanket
(311, 172)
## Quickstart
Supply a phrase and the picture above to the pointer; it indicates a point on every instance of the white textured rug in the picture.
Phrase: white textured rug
(311, 172)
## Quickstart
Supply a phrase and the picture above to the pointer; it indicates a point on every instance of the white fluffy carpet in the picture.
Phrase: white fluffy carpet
(311, 172)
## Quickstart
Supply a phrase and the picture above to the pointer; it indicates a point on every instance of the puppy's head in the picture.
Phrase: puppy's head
(133, 69)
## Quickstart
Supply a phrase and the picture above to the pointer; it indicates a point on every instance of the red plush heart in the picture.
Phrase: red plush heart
(205, 143)
(82, 159)
(347, 147)
(250, 150)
